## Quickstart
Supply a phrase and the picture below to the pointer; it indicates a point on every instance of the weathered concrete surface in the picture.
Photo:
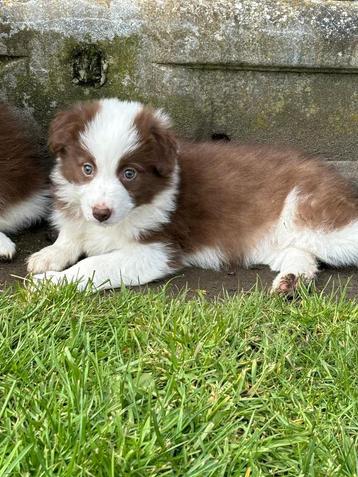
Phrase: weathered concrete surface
(263, 70)
(211, 283)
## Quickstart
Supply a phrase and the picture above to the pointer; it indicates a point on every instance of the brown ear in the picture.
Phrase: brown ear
(154, 127)
(166, 145)
(67, 125)
(61, 131)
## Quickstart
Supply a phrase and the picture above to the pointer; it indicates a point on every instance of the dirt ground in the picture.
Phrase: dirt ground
(194, 279)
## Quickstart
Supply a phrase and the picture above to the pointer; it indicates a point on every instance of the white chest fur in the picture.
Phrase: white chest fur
(97, 239)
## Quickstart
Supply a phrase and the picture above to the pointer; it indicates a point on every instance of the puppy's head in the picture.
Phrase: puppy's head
(112, 156)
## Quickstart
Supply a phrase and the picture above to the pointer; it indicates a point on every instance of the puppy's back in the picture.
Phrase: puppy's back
(24, 162)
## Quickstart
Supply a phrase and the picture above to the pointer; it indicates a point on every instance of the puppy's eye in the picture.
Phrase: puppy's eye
(129, 174)
(87, 169)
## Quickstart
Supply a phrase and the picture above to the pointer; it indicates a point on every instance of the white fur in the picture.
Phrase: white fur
(337, 247)
(145, 218)
(7, 247)
(111, 134)
(18, 217)
(207, 258)
(108, 137)
(294, 261)
(289, 248)
(135, 264)
(114, 254)
(64, 252)
(25, 213)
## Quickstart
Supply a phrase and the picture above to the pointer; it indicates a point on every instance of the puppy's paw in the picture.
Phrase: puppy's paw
(7, 247)
(57, 278)
(48, 259)
(35, 281)
(60, 279)
(285, 284)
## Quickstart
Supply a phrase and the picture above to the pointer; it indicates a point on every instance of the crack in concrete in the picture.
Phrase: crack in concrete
(260, 68)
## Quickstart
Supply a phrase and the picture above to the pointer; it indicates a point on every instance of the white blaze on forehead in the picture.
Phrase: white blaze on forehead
(111, 133)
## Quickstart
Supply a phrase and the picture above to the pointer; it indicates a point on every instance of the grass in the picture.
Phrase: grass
(134, 384)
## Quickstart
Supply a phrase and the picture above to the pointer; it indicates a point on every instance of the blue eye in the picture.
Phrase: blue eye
(129, 174)
(87, 169)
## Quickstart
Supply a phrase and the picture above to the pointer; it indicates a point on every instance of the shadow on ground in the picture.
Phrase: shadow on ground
(212, 283)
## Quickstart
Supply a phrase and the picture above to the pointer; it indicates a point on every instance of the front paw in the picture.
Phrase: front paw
(285, 284)
(49, 258)
(53, 277)
(7, 248)
(59, 278)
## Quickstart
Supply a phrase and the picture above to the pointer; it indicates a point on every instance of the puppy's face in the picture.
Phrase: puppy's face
(113, 156)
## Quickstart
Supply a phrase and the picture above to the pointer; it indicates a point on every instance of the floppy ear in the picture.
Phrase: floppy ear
(167, 150)
(155, 128)
(61, 132)
(67, 124)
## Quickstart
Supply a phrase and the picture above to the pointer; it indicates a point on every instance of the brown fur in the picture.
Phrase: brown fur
(23, 161)
(154, 159)
(63, 140)
(231, 194)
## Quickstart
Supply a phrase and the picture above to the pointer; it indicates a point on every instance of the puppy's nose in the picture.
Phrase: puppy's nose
(101, 213)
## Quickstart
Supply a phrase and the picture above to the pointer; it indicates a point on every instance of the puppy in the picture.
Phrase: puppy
(140, 204)
(23, 176)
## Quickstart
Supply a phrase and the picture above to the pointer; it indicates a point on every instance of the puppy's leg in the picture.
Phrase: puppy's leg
(7, 247)
(65, 251)
(133, 265)
(292, 264)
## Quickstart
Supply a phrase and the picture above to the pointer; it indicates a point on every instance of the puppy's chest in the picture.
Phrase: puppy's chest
(98, 240)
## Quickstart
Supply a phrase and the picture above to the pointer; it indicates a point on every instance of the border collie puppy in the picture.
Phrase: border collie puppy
(141, 204)
(23, 176)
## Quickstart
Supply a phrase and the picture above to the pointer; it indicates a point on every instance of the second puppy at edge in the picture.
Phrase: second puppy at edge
(141, 204)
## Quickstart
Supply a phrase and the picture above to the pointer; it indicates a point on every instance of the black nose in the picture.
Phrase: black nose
(101, 213)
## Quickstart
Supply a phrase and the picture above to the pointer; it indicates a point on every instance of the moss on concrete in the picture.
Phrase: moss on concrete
(251, 70)
(43, 95)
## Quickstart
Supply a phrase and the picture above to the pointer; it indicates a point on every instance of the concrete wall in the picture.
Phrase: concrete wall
(264, 70)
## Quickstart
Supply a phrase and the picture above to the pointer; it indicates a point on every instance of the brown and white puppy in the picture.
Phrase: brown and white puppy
(23, 176)
(142, 204)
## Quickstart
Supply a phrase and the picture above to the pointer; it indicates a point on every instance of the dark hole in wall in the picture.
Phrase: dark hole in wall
(220, 137)
(88, 66)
